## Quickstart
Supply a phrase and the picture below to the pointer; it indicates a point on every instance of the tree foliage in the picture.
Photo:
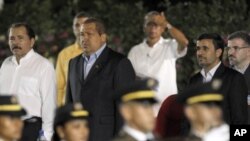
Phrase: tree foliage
(52, 21)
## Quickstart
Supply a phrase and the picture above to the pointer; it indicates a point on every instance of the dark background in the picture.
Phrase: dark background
(52, 21)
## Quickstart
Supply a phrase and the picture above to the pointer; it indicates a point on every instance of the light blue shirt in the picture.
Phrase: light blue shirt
(89, 62)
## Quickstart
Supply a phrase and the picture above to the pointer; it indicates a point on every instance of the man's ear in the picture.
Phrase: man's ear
(104, 37)
(32, 42)
(60, 132)
(218, 52)
(189, 112)
(125, 111)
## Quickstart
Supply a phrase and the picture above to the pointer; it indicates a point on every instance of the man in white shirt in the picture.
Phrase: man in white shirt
(209, 50)
(31, 78)
(156, 57)
(136, 108)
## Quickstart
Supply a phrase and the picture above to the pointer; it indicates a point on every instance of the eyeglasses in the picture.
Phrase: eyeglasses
(235, 48)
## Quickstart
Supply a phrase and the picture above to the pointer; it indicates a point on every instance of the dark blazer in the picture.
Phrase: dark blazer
(234, 90)
(111, 71)
(247, 77)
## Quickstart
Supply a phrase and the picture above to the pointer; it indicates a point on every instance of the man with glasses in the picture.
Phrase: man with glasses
(239, 55)
(234, 89)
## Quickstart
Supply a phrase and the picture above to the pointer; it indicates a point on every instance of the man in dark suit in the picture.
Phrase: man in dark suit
(94, 76)
(239, 56)
(136, 108)
(209, 53)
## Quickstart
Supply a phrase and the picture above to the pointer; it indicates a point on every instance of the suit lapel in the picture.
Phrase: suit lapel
(219, 72)
(79, 69)
(98, 65)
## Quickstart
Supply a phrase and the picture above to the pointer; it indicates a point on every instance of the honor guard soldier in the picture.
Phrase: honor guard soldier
(136, 108)
(11, 125)
(71, 123)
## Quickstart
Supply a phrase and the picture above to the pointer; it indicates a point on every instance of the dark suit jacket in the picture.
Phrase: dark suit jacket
(111, 71)
(247, 77)
(234, 90)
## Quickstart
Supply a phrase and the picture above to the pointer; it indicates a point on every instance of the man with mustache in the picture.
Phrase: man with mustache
(239, 55)
(209, 50)
(31, 78)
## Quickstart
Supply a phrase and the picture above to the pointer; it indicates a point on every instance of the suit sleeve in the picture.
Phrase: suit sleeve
(69, 98)
(238, 100)
(124, 74)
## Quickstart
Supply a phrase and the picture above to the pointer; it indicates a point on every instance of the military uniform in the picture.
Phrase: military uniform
(67, 113)
(140, 92)
(206, 94)
(9, 107)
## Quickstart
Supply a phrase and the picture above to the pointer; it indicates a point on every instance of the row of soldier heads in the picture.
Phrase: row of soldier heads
(136, 106)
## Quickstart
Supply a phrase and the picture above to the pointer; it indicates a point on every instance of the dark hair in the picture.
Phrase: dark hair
(82, 14)
(241, 35)
(218, 41)
(28, 28)
(100, 27)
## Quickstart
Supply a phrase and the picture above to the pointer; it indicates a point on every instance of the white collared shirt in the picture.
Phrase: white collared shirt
(33, 82)
(220, 133)
(208, 77)
(158, 62)
(136, 134)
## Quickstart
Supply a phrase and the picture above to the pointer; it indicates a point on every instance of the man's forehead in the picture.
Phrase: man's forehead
(204, 42)
(80, 20)
(17, 30)
(88, 26)
(237, 41)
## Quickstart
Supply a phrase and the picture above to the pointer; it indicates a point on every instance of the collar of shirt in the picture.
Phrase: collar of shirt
(208, 77)
(241, 70)
(95, 55)
(138, 135)
(23, 59)
(150, 49)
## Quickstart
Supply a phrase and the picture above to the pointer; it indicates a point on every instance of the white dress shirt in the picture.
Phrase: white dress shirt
(208, 77)
(158, 62)
(136, 134)
(33, 82)
(220, 133)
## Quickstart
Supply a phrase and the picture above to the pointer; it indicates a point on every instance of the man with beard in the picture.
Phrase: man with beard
(239, 55)
(209, 49)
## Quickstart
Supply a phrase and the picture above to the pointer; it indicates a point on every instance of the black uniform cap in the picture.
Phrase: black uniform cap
(139, 91)
(9, 106)
(202, 93)
(69, 112)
